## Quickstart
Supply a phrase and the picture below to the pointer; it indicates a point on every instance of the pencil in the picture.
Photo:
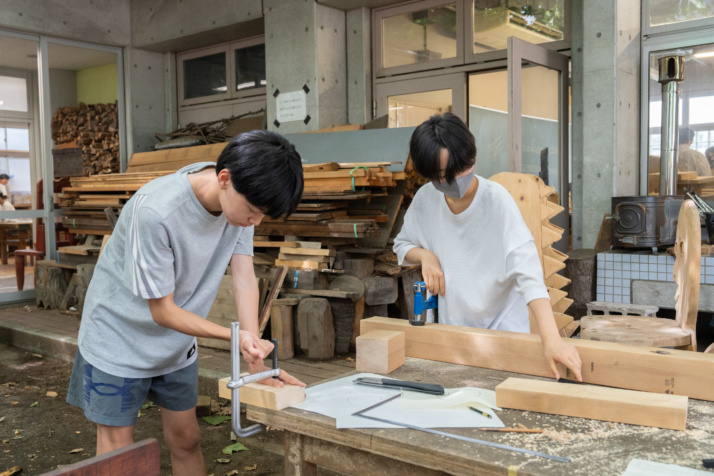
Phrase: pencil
(479, 411)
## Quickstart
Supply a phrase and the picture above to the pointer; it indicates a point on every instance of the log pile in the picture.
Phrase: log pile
(94, 128)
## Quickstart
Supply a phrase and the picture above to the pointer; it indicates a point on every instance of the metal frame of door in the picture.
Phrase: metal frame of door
(518, 52)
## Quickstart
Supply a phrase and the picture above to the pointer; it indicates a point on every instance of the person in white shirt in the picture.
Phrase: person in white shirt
(5, 205)
(475, 250)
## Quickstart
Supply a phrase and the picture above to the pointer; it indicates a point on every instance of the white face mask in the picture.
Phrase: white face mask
(457, 188)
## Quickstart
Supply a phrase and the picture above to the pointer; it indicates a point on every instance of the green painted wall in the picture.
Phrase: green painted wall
(97, 85)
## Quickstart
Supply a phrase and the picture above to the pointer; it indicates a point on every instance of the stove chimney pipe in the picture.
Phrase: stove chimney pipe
(670, 75)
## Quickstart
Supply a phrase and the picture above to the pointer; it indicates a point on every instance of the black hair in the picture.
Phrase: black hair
(709, 151)
(442, 132)
(266, 169)
(4, 176)
(686, 135)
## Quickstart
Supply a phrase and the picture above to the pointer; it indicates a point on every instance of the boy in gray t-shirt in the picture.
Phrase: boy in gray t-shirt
(156, 280)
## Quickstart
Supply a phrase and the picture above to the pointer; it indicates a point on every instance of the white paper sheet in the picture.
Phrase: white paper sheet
(640, 467)
(339, 399)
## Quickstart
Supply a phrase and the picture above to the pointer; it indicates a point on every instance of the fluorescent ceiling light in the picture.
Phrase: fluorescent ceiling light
(248, 84)
(706, 54)
(2, 102)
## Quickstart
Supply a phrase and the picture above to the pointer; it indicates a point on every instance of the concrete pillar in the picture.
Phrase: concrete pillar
(150, 88)
(305, 51)
(359, 66)
(605, 82)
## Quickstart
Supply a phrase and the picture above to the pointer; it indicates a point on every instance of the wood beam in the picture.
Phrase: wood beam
(648, 369)
(597, 403)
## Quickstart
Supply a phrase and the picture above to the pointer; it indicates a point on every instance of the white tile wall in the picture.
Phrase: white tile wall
(616, 271)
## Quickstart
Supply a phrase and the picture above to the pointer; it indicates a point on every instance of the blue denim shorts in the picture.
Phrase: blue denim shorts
(116, 401)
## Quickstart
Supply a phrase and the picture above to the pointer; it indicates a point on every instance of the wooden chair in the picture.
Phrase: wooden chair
(142, 458)
(654, 331)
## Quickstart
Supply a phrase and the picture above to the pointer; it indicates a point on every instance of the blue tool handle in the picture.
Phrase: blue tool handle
(421, 304)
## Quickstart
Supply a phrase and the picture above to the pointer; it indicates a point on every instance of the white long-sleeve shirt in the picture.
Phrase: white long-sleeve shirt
(490, 262)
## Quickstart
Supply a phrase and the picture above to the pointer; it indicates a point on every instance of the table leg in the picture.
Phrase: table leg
(295, 462)
(20, 271)
(3, 247)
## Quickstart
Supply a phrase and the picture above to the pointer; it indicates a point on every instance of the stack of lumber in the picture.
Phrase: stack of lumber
(294, 254)
(95, 129)
(533, 198)
(337, 202)
(86, 199)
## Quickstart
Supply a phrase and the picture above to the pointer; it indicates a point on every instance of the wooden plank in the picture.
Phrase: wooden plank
(264, 396)
(326, 293)
(597, 403)
(655, 370)
(308, 251)
(265, 312)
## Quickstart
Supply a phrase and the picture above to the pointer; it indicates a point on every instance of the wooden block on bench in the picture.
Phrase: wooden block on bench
(380, 351)
(594, 402)
(264, 396)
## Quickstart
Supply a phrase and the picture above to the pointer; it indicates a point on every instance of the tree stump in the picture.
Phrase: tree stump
(84, 276)
(380, 290)
(51, 286)
(316, 329)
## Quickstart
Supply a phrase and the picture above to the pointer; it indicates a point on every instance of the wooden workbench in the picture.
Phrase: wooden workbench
(594, 447)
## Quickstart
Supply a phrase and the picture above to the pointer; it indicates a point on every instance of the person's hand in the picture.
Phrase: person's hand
(559, 351)
(253, 348)
(432, 273)
(284, 377)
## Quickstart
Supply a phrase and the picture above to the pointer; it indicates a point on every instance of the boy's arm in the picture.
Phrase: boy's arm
(554, 347)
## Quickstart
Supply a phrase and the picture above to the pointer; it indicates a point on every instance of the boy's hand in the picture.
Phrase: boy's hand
(558, 351)
(432, 273)
(253, 348)
(284, 377)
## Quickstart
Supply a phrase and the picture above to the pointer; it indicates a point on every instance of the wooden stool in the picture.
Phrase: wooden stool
(20, 265)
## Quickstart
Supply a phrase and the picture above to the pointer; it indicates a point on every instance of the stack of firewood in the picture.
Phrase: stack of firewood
(95, 129)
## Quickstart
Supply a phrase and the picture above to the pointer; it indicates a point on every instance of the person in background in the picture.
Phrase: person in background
(5, 205)
(709, 153)
(691, 160)
(4, 179)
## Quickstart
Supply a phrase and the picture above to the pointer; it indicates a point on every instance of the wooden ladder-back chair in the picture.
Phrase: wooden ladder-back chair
(531, 195)
(655, 331)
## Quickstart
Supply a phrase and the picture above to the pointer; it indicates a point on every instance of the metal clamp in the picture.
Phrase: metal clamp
(237, 382)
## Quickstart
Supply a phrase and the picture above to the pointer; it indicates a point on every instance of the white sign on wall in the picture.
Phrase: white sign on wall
(291, 106)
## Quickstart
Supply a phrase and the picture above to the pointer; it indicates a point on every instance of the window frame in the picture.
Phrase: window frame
(379, 14)
(228, 49)
(682, 39)
(648, 30)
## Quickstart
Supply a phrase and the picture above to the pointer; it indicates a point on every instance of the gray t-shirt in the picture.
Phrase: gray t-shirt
(164, 242)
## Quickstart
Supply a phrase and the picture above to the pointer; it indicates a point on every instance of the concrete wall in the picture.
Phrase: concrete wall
(359, 66)
(104, 22)
(150, 97)
(179, 25)
(605, 89)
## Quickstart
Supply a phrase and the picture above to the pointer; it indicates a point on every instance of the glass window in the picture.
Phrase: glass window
(13, 94)
(18, 139)
(666, 12)
(408, 110)
(419, 36)
(205, 76)
(488, 121)
(696, 103)
(250, 67)
(535, 21)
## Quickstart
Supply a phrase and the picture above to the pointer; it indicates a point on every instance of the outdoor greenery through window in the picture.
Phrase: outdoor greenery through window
(535, 21)
(666, 12)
